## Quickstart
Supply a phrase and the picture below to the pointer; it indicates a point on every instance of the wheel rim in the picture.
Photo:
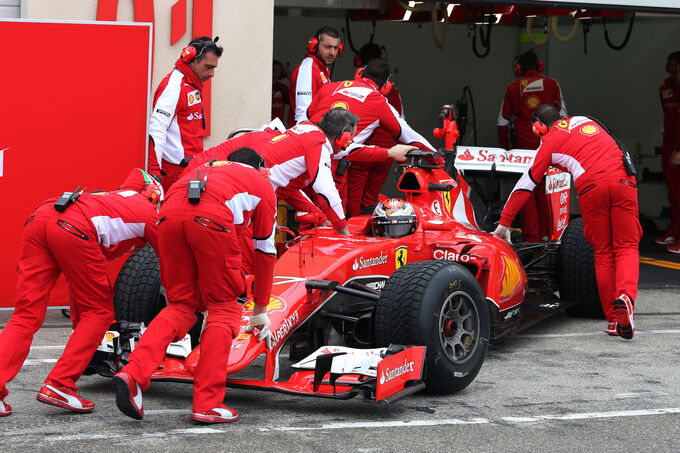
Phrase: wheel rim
(459, 327)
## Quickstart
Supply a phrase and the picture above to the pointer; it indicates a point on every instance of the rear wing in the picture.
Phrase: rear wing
(479, 158)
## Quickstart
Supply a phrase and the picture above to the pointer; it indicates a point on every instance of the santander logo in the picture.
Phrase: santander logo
(466, 155)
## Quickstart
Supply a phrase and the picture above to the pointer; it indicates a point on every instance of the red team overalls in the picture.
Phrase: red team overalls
(200, 269)
(522, 97)
(608, 200)
(78, 242)
(305, 81)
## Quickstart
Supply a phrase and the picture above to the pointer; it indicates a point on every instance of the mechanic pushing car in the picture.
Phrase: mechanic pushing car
(605, 182)
(313, 71)
(200, 269)
(76, 234)
(177, 123)
(522, 98)
(364, 98)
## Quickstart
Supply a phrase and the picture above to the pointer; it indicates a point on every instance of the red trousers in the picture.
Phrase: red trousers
(535, 215)
(364, 181)
(47, 250)
(200, 269)
(672, 176)
(610, 216)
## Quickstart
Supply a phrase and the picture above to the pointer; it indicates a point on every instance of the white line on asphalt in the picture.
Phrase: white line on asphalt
(38, 361)
(166, 411)
(52, 346)
(592, 334)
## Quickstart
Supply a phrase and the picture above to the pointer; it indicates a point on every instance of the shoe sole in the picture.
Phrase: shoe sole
(123, 396)
(623, 327)
(58, 403)
(5, 414)
(212, 419)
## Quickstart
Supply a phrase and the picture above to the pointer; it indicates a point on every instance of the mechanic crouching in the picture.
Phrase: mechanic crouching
(75, 234)
(200, 269)
(608, 198)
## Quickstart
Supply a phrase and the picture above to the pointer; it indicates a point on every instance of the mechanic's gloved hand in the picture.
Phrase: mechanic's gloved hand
(503, 233)
(398, 152)
(261, 323)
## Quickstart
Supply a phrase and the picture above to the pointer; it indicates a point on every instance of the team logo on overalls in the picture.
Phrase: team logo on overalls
(348, 83)
(401, 256)
(562, 124)
(340, 104)
(589, 129)
(277, 138)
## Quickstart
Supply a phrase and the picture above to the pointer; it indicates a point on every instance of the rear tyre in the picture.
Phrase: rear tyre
(439, 305)
(576, 273)
(138, 293)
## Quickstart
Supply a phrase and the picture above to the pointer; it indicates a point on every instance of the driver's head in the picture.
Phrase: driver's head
(378, 71)
(394, 218)
(337, 121)
(546, 114)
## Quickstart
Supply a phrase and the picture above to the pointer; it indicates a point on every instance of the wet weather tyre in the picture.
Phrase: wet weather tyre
(576, 273)
(439, 305)
(138, 294)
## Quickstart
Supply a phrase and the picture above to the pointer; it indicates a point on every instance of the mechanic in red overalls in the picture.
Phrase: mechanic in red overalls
(608, 200)
(669, 92)
(363, 98)
(177, 122)
(92, 230)
(365, 179)
(522, 98)
(312, 72)
(280, 96)
(200, 269)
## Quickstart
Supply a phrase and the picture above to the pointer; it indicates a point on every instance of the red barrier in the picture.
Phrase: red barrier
(75, 109)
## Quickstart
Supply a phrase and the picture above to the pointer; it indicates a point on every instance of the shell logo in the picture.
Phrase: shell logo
(275, 304)
(348, 83)
(589, 129)
(533, 102)
(512, 277)
(109, 336)
(340, 104)
(220, 163)
(243, 336)
(277, 138)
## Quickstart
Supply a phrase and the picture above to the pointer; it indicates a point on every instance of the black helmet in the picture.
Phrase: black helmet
(394, 218)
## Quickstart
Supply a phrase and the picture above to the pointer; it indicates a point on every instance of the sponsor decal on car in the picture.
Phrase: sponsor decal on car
(436, 207)
(450, 255)
(447, 201)
(401, 256)
(362, 263)
(287, 326)
(512, 277)
(389, 374)
(378, 286)
(193, 97)
(275, 304)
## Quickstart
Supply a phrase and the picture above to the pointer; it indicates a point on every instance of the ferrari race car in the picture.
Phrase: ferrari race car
(381, 317)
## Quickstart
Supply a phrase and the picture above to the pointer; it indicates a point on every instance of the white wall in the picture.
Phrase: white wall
(241, 88)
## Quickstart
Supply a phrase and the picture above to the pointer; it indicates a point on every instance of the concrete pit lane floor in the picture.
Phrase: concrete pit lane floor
(563, 385)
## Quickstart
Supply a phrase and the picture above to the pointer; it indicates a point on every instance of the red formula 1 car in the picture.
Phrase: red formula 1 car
(341, 305)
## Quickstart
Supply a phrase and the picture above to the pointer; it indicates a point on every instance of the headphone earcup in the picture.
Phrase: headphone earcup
(386, 88)
(518, 70)
(541, 67)
(341, 46)
(312, 45)
(357, 60)
(344, 140)
(668, 68)
(359, 74)
(188, 54)
(539, 128)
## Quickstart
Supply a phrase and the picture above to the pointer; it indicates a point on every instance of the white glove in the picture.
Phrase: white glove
(502, 233)
(261, 322)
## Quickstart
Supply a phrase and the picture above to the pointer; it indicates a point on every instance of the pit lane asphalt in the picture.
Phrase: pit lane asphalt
(562, 385)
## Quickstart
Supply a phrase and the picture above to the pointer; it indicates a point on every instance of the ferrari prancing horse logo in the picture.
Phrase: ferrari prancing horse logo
(447, 201)
(401, 256)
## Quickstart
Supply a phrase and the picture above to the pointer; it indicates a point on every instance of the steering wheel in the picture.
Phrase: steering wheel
(418, 158)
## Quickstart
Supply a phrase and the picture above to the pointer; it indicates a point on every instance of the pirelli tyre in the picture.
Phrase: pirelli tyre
(138, 293)
(576, 273)
(440, 305)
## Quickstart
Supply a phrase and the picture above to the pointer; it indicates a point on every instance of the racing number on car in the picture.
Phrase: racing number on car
(401, 257)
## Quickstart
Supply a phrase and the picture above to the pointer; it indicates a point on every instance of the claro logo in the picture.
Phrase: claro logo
(363, 263)
(449, 255)
(389, 374)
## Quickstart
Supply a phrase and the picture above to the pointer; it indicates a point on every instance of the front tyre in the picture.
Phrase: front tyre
(439, 305)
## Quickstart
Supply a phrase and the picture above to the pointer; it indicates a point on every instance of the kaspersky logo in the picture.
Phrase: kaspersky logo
(388, 374)
(363, 263)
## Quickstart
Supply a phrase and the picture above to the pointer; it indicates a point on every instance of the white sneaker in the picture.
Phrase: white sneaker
(5, 409)
(221, 414)
(625, 313)
(128, 395)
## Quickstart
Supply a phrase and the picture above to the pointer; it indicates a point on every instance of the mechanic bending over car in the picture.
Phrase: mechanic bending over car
(364, 97)
(522, 98)
(76, 234)
(200, 269)
(313, 71)
(177, 121)
(604, 179)
(365, 179)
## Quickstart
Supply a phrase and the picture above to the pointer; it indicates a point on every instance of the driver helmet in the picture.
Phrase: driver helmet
(394, 218)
